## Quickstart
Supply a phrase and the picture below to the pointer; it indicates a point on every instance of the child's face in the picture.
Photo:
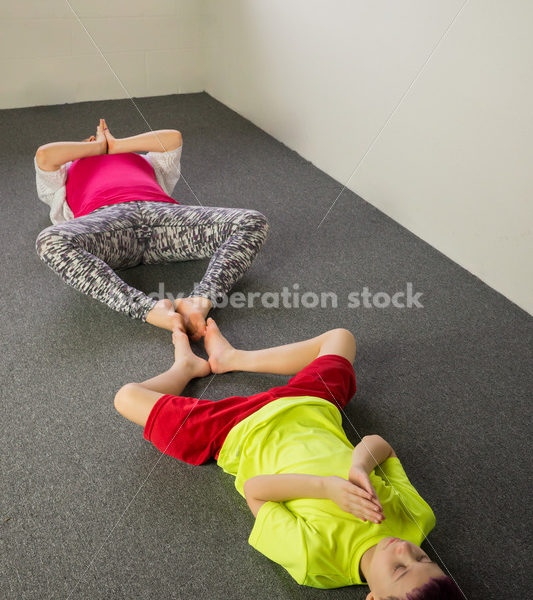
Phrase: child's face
(397, 567)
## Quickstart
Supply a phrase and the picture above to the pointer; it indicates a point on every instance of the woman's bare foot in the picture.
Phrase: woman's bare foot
(184, 357)
(221, 353)
(163, 315)
(194, 311)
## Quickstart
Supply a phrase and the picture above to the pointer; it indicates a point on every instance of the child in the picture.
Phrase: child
(323, 509)
(111, 209)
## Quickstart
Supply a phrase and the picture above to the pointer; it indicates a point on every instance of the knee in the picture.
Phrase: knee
(124, 398)
(42, 242)
(48, 241)
(257, 223)
(345, 339)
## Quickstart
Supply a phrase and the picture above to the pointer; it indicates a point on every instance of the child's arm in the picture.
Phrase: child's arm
(372, 450)
(290, 486)
(285, 486)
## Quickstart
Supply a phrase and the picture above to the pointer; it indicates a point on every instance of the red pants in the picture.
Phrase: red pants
(194, 430)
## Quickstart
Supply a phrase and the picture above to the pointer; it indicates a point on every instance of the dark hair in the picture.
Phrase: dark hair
(437, 588)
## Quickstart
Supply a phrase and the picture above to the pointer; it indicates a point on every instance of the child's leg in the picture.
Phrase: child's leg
(283, 360)
(135, 400)
(193, 430)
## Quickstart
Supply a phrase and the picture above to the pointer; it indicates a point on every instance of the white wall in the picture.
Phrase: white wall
(46, 56)
(453, 165)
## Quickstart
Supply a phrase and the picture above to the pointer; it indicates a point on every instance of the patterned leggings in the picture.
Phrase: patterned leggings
(85, 250)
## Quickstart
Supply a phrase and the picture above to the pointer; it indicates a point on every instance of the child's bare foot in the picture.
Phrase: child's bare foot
(184, 357)
(163, 315)
(221, 352)
(194, 311)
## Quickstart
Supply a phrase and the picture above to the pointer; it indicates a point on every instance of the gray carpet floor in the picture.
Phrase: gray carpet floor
(90, 510)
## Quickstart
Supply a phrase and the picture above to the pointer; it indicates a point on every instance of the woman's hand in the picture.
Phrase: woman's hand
(99, 139)
(354, 498)
(110, 140)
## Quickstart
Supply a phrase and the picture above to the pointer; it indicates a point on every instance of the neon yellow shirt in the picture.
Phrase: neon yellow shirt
(318, 543)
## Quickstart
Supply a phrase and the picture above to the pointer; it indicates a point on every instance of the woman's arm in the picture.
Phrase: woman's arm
(152, 141)
(51, 156)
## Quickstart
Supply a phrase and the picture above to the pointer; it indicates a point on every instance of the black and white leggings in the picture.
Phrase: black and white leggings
(85, 250)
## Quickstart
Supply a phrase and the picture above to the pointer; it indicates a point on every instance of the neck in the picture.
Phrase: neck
(366, 559)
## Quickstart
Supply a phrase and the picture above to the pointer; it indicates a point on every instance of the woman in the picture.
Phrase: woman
(111, 209)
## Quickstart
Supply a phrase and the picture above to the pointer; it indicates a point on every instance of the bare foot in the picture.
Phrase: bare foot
(163, 315)
(220, 351)
(184, 357)
(194, 311)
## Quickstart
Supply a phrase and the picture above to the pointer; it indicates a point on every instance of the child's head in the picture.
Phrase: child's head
(397, 569)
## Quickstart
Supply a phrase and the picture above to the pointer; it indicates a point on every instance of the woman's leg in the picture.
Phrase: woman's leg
(85, 250)
(231, 237)
(282, 360)
(135, 400)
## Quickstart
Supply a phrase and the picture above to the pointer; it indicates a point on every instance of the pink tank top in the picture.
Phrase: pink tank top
(96, 181)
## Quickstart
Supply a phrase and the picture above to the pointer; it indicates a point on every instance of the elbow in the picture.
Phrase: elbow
(40, 157)
(174, 133)
(172, 139)
(374, 438)
(43, 160)
(246, 489)
(254, 504)
(377, 439)
(250, 489)
(371, 436)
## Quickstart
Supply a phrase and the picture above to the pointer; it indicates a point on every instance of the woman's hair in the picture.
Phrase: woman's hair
(437, 588)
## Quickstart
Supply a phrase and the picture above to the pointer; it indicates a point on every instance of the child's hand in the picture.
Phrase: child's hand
(359, 477)
(354, 499)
